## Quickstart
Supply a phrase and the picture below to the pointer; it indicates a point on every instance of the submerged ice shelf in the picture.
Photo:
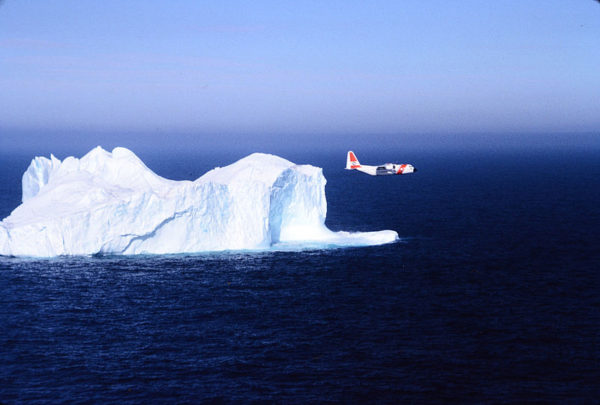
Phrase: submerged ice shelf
(111, 203)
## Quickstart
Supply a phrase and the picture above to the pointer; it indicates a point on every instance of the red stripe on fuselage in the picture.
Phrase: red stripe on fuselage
(401, 169)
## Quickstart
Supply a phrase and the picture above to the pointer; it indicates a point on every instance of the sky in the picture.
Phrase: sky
(198, 74)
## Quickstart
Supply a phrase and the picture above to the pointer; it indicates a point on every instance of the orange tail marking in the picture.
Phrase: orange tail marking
(354, 161)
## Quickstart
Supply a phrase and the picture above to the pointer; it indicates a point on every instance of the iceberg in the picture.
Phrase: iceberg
(111, 203)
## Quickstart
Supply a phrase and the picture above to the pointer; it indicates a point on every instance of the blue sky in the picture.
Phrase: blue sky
(308, 71)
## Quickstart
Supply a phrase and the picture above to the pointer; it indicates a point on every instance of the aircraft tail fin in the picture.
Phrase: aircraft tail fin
(351, 161)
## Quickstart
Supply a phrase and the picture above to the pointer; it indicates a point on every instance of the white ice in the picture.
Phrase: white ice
(111, 203)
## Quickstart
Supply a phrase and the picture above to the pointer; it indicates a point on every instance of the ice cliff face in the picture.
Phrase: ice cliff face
(111, 203)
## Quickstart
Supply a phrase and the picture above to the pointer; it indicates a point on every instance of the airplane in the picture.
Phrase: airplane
(352, 163)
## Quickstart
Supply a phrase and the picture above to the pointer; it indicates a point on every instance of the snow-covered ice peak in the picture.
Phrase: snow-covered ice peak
(111, 203)
(120, 168)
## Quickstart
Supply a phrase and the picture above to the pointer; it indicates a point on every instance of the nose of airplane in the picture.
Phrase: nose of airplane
(414, 170)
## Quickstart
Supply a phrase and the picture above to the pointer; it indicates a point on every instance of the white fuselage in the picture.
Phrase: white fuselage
(352, 163)
(386, 169)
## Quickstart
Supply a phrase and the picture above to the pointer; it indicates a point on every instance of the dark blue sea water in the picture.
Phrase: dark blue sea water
(492, 295)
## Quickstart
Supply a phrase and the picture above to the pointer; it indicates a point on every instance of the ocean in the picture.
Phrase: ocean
(492, 294)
